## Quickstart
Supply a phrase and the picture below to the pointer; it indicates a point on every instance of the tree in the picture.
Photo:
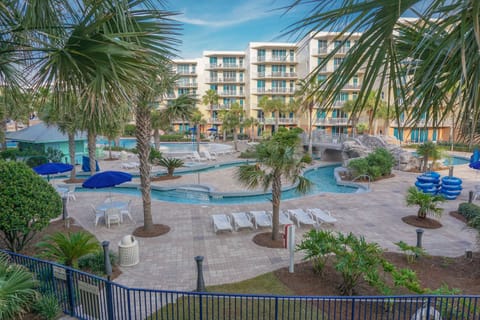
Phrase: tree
(420, 63)
(277, 159)
(305, 100)
(251, 123)
(171, 164)
(27, 204)
(180, 108)
(427, 203)
(17, 289)
(428, 150)
(159, 122)
(275, 105)
(113, 128)
(210, 98)
(196, 118)
(232, 120)
(68, 248)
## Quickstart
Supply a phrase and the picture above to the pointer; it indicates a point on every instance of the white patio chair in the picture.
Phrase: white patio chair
(241, 220)
(98, 215)
(196, 157)
(112, 215)
(301, 217)
(261, 219)
(127, 211)
(221, 222)
(208, 155)
(322, 216)
(71, 193)
(476, 194)
(284, 218)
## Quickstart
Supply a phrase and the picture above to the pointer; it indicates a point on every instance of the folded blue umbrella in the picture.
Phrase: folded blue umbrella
(106, 179)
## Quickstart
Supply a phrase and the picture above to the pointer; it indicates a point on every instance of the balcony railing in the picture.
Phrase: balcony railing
(276, 75)
(280, 120)
(214, 121)
(331, 121)
(224, 80)
(421, 123)
(187, 84)
(220, 107)
(287, 59)
(226, 66)
(274, 90)
(186, 73)
(231, 93)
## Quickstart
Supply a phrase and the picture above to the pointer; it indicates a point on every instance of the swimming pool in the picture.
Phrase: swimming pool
(170, 147)
(322, 179)
(451, 160)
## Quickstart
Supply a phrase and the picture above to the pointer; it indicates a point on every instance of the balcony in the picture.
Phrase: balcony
(231, 94)
(214, 121)
(273, 90)
(187, 73)
(224, 80)
(225, 66)
(263, 75)
(421, 123)
(282, 121)
(331, 121)
(274, 59)
(219, 107)
(352, 86)
(322, 50)
(338, 103)
(186, 84)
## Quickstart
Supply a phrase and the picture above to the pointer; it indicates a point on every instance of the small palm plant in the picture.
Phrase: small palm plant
(429, 150)
(17, 289)
(171, 164)
(427, 203)
(68, 248)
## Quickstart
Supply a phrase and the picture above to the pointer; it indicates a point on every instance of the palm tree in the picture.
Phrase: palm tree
(305, 100)
(68, 248)
(278, 159)
(196, 118)
(251, 123)
(159, 122)
(275, 106)
(113, 128)
(428, 150)
(420, 64)
(427, 203)
(180, 108)
(17, 289)
(171, 164)
(232, 120)
(210, 98)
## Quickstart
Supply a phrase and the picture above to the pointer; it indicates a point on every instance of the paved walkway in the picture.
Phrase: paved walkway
(167, 262)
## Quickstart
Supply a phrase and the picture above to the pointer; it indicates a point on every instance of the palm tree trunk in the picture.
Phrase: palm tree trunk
(3, 128)
(142, 133)
(91, 137)
(110, 149)
(235, 139)
(71, 151)
(276, 196)
(277, 116)
(156, 138)
(310, 125)
(197, 132)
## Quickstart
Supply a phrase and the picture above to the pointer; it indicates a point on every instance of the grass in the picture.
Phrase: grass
(241, 307)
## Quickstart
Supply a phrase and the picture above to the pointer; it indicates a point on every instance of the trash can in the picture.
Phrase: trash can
(128, 251)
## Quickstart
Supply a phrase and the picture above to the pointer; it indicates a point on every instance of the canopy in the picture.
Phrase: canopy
(212, 129)
(52, 168)
(106, 179)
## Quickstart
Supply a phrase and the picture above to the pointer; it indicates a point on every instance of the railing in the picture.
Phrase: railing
(280, 120)
(224, 80)
(331, 121)
(364, 176)
(225, 66)
(85, 296)
(288, 58)
(279, 74)
(231, 93)
(187, 84)
(273, 90)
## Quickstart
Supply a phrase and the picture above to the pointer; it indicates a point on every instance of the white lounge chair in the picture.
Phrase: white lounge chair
(128, 165)
(196, 157)
(221, 222)
(241, 220)
(322, 216)
(301, 217)
(284, 218)
(208, 155)
(261, 219)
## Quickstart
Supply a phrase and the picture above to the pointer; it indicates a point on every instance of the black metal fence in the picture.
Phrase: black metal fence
(87, 296)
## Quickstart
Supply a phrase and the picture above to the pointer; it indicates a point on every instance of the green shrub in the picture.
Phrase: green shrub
(171, 164)
(174, 137)
(94, 262)
(36, 161)
(54, 155)
(27, 204)
(469, 210)
(155, 156)
(376, 164)
(129, 130)
(9, 154)
(411, 252)
(47, 307)
(250, 153)
(318, 247)
(307, 158)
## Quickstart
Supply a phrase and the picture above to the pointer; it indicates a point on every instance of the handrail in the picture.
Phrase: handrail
(364, 176)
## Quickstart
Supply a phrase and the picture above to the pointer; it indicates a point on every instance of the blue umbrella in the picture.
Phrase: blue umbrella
(212, 129)
(106, 179)
(52, 168)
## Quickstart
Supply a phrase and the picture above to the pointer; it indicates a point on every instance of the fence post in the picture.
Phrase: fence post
(353, 309)
(276, 308)
(201, 305)
(428, 307)
(200, 281)
(70, 291)
(108, 283)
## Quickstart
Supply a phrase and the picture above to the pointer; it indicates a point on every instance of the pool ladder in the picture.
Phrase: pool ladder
(364, 176)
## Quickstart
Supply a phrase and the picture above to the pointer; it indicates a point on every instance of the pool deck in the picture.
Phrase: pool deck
(167, 262)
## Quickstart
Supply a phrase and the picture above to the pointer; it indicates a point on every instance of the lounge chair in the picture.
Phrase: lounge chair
(301, 217)
(221, 222)
(322, 216)
(129, 165)
(196, 157)
(241, 220)
(208, 155)
(261, 219)
(284, 218)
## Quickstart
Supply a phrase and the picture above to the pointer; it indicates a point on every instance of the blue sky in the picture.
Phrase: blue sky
(230, 25)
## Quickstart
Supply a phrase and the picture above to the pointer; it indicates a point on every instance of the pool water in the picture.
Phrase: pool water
(322, 181)
(451, 160)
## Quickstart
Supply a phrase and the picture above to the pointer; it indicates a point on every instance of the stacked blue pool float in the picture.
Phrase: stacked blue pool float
(429, 182)
(448, 187)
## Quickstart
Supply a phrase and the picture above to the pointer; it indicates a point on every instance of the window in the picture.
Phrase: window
(322, 46)
(214, 87)
(321, 77)
(194, 68)
(321, 114)
(229, 75)
(292, 55)
(214, 75)
(279, 55)
(261, 70)
(213, 61)
(337, 62)
(261, 84)
(240, 76)
(355, 81)
(261, 54)
(182, 68)
(229, 61)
